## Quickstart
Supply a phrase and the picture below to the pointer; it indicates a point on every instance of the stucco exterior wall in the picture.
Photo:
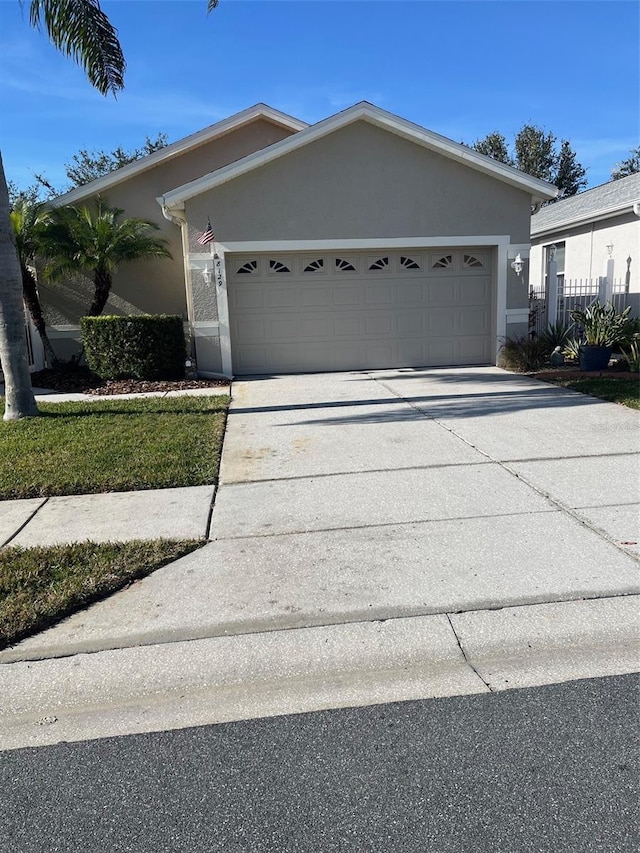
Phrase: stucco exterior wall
(362, 181)
(157, 286)
(586, 251)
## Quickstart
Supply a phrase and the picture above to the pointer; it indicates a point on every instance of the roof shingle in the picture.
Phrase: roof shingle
(621, 193)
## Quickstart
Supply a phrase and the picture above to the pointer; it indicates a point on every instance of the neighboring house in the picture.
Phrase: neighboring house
(362, 241)
(594, 233)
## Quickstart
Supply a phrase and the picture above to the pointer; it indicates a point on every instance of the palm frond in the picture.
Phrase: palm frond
(81, 30)
(94, 238)
(28, 218)
(211, 5)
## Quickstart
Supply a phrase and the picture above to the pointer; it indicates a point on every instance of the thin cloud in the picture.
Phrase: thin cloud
(315, 103)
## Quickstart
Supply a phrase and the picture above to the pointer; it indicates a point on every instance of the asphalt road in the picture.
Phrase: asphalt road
(548, 769)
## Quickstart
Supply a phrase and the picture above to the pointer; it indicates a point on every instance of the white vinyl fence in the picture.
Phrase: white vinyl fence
(574, 294)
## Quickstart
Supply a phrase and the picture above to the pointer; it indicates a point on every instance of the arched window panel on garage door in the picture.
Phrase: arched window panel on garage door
(378, 262)
(346, 264)
(441, 261)
(246, 267)
(279, 266)
(477, 260)
(410, 262)
(313, 265)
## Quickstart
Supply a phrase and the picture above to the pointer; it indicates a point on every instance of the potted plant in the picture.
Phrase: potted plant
(602, 327)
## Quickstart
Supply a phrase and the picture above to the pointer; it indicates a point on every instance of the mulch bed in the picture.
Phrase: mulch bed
(571, 372)
(81, 380)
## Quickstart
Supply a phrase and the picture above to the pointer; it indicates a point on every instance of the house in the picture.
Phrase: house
(362, 241)
(593, 235)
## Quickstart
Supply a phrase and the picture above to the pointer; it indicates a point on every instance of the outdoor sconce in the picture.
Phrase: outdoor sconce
(207, 274)
(610, 248)
(518, 264)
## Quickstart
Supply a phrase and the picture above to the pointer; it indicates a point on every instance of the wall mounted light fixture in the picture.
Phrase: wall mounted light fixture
(517, 264)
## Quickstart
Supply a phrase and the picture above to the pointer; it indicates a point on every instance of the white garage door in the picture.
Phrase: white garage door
(359, 310)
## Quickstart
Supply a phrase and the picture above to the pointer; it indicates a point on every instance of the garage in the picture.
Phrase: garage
(357, 310)
(361, 242)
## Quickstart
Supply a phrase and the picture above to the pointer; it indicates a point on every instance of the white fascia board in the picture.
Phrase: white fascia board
(360, 243)
(576, 221)
(175, 149)
(539, 190)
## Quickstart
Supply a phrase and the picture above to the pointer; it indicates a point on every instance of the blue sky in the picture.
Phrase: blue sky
(462, 68)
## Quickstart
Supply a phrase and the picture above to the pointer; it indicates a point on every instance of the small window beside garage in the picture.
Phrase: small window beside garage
(380, 264)
(314, 266)
(408, 263)
(344, 265)
(471, 261)
(279, 266)
(442, 262)
(248, 268)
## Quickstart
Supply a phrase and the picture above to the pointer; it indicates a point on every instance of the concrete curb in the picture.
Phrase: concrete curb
(201, 682)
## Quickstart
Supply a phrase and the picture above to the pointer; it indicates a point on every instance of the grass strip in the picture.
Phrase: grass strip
(113, 446)
(623, 391)
(40, 586)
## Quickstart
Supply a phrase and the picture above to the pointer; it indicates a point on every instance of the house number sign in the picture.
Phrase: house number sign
(218, 268)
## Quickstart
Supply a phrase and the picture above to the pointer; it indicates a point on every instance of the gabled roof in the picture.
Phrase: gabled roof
(214, 131)
(601, 202)
(539, 190)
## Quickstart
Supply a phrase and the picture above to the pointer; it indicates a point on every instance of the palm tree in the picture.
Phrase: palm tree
(29, 218)
(94, 241)
(19, 399)
(80, 29)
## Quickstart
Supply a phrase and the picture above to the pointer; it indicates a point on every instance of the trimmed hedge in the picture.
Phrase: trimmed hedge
(145, 346)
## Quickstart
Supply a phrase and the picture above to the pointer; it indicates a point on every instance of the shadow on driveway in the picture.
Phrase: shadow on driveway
(463, 405)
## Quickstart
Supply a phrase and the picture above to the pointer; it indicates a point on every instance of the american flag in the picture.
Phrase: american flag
(208, 236)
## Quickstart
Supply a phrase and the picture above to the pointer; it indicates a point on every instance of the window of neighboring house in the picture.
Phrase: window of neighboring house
(560, 256)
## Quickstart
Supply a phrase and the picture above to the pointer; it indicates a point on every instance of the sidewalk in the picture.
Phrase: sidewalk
(367, 545)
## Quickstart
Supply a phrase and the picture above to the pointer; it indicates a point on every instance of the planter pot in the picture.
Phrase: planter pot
(594, 358)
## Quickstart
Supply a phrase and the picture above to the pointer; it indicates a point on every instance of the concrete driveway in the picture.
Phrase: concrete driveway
(354, 497)
(409, 492)
(429, 533)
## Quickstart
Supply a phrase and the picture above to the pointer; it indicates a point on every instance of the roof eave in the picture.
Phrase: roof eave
(539, 190)
(576, 221)
(175, 149)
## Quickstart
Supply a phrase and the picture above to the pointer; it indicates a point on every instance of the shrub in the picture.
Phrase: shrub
(602, 325)
(524, 355)
(572, 349)
(555, 335)
(148, 346)
(632, 354)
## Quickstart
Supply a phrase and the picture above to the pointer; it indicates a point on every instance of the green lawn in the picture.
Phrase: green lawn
(624, 391)
(113, 445)
(39, 586)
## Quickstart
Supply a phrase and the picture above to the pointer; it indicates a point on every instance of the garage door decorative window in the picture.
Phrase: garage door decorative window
(471, 261)
(248, 268)
(443, 263)
(380, 264)
(278, 266)
(314, 266)
(344, 266)
(409, 263)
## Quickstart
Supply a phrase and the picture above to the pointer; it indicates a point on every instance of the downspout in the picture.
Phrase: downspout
(636, 208)
(178, 218)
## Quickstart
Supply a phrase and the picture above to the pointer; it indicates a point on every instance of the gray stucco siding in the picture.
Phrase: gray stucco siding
(157, 286)
(362, 182)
